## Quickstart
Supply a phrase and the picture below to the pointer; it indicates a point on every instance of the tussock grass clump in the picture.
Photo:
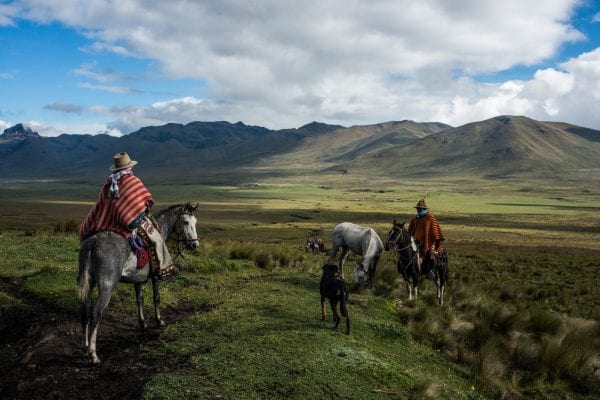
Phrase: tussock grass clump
(266, 256)
(387, 282)
(70, 226)
(544, 322)
(513, 353)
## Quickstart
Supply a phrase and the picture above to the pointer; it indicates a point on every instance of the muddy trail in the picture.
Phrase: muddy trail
(41, 354)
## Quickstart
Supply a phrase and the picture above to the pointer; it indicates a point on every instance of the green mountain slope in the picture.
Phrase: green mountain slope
(500, 147)
(504, 146)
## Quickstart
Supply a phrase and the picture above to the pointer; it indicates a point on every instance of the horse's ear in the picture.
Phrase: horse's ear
(394, 221)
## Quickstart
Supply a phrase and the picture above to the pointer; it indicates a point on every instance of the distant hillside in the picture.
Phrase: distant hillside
(174, 152)
(345, 144)
(504, 146)
(500, 147)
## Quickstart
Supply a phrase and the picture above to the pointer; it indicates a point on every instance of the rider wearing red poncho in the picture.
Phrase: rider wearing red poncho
(122, 203)
(428, 235)
(123, 207)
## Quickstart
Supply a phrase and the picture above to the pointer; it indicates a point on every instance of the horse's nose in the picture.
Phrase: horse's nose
(194, 245)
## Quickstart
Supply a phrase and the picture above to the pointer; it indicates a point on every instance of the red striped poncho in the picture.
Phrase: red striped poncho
(427, 232)
(115, 214)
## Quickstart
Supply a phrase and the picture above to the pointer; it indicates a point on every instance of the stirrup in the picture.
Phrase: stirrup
(168, 272)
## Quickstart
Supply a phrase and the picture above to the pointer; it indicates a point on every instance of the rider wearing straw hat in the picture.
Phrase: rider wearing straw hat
(123, 207)
(424, 227)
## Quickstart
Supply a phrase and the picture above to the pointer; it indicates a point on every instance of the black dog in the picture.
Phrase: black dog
(334, 288)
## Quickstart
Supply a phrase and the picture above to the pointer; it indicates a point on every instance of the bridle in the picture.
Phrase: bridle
(397, 250)
(180, 238)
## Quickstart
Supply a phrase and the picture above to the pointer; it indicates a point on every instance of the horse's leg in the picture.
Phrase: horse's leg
(156, 297)
(104, 294)
(343, 257)
(323, 313)
(416, 286)
(372, 270)
(332, 254)
(409, 288)
(139, 299)
(86, 313)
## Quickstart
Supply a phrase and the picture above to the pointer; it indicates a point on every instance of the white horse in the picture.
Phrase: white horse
(362, 241)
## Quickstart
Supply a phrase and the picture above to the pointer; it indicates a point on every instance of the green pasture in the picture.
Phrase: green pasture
(524, 273)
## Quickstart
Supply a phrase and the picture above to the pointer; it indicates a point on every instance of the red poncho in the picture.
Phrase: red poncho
(115, 214)
(427, 232)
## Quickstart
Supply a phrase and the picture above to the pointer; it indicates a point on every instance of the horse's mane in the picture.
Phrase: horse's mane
(170, 208)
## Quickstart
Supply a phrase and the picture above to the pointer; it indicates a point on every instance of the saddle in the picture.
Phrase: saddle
(142, 246)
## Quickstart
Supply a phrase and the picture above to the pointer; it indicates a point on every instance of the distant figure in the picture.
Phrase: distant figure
(123, 207)
(424, 227)
(314, 245)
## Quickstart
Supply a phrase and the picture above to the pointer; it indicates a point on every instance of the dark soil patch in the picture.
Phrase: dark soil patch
(42, 356)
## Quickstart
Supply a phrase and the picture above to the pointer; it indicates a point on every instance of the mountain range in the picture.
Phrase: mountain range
(497, 148)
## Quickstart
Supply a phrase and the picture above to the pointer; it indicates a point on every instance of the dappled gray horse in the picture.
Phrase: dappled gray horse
(409, 263)
(106, 259)
(363, 241)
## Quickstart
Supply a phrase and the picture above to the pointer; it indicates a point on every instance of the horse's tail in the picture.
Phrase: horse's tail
(83, 280)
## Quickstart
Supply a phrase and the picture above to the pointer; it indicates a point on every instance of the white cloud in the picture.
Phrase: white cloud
(281, 64)
(59, 128)
(4, 125)
(6, 75)
(108, 88)
(104, 75)
(43, 129)
(557, 95)
(7, 14)
(64, 107)
(596, 17)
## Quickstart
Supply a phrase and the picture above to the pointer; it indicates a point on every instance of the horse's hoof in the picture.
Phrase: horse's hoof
(160, 322)
(143, 325)
(94, 359)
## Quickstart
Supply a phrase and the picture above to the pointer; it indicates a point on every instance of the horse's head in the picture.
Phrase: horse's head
(394, 235)
(185, 227)
(360, 275)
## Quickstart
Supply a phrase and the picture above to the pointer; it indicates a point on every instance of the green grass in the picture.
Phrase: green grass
(265, 340)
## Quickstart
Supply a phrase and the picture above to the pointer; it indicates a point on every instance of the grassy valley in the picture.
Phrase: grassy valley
(520, 318)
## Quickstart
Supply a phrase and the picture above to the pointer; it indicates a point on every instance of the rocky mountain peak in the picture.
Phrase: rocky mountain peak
(17, 133)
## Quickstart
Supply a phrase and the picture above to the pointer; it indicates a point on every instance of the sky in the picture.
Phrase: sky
(99, 66)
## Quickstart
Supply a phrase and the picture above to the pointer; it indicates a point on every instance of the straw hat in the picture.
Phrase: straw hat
(122, 161)
(421, 205)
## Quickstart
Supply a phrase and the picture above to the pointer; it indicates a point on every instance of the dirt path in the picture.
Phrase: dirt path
(41, 357)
